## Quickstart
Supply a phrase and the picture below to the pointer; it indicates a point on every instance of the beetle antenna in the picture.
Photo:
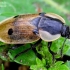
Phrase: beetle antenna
(61, 53)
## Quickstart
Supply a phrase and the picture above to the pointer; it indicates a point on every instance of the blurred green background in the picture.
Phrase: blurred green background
(10, 8)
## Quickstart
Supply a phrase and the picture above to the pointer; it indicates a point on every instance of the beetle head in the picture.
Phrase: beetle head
(68, 32)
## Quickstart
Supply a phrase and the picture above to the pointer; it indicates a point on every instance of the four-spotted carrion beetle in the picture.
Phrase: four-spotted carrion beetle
(23, 29)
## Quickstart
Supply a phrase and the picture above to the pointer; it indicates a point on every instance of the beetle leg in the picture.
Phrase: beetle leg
(65, 58)
(52, 53)
(35, 31)
(61, 52)
(33, 47)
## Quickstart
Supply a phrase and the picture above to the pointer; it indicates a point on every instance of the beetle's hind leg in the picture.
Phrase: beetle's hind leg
(52, 53)
(33, 47)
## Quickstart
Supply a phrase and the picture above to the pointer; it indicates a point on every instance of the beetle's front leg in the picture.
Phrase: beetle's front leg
(52, 53)
(61, 52)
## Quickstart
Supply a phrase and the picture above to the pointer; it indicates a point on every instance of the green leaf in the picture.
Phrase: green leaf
(35, 67)
(27, 58)
(59, 66)
(2, 66)
(41, 65)
(4, 52)
(68, 64)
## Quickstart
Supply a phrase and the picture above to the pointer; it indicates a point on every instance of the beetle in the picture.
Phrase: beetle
(28, 28)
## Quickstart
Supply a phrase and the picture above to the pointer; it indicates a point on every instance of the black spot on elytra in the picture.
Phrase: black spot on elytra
(10, 31)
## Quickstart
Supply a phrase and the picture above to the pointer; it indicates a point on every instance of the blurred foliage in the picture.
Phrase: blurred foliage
(10, 8)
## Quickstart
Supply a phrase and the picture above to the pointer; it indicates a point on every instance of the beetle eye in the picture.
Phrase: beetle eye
(10, 31)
